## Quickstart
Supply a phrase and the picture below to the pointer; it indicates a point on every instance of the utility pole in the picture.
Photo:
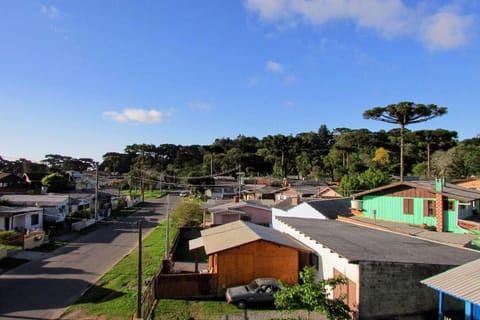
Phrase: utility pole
(211, 164)
(167, 240)
(239, 182)
(139, 274)
(97, 204)
(142, 185)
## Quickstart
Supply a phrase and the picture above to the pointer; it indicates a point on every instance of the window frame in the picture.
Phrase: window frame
(408, 206)
(429, 208)
(37, 218)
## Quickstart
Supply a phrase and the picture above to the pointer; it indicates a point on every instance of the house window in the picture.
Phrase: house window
(314, 260)
(34, 219)
(451, 206)
(429, 208)
(408, 206)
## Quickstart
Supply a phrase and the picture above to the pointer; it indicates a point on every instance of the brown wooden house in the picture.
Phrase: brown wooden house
(241, 251)
(470, 183)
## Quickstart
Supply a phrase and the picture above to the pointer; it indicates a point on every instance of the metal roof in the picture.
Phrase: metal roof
(448, 190)
(34, 200)
(6, 211)
(238, 233)
(462, 282)
(358, 243)
(238, 206)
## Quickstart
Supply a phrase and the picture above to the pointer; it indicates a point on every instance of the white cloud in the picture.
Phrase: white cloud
(135, 116)
(446, 30)
(200, 106)
(440, 28)
(268, 9)
(273, 67)
(50, 11)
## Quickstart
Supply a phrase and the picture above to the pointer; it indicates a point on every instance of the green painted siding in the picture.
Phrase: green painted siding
(391, 208)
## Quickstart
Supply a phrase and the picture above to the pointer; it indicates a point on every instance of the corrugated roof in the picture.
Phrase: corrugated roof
(449, 190)
(6, 211)
(33, 200)
(358, 243)
(239, 233)
(462, 282)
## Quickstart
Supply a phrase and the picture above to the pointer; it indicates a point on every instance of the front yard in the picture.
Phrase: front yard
(114, 295)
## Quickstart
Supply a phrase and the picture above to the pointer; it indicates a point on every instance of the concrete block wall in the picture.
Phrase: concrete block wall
(393, 291)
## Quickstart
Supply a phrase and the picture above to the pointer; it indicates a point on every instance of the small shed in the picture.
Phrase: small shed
(241, 251)
(242, 210)
(462, 283)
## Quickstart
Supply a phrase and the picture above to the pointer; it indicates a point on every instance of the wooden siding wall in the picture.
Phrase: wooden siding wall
(193, 285)
(391, 208)
(473, 184)
(258, 259)
(407, 192)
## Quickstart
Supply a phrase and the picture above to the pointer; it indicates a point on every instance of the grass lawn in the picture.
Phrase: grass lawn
(114, 296)
(190, 309)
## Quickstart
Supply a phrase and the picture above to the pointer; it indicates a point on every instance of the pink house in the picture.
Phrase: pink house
(246, 211)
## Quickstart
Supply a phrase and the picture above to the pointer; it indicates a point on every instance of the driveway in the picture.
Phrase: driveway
(44, 288)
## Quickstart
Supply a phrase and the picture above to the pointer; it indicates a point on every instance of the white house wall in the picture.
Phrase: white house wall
(328, 260)
(56, 214)
(303, 210)
(24, 221)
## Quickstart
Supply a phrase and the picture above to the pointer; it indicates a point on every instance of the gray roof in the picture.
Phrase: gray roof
(462, 282)
(358, 243)
(449, 190)
(306, 190)
(238, 233)
(236, 205)
(286, 204)
(331, 208)
(34, 200)
(6, 211)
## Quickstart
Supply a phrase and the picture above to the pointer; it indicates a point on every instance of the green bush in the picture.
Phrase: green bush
(12, 238)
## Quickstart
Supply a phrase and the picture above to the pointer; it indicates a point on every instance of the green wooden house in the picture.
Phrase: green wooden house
(445, 206)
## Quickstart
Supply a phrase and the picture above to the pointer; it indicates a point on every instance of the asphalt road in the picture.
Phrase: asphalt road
(44, 288)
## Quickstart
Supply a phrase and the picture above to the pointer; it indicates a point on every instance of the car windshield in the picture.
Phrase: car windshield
(252, 285)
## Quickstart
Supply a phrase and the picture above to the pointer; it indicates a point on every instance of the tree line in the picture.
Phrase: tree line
(363, 158)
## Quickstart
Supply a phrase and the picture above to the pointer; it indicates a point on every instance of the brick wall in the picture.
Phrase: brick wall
(439, 212)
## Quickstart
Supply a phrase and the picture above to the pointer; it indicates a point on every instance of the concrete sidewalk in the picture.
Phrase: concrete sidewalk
(448, 238)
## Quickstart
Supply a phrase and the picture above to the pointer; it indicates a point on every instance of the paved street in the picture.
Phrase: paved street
(42, 289)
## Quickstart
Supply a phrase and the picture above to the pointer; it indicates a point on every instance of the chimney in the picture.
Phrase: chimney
(295, 200)
(439, 183)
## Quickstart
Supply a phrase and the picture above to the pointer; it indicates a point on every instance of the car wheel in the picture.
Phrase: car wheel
(241, 304)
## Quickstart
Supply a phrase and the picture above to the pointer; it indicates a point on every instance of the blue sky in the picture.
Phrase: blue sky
(82, 78)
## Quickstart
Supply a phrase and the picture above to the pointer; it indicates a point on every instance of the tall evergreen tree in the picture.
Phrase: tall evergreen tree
(403, 114)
